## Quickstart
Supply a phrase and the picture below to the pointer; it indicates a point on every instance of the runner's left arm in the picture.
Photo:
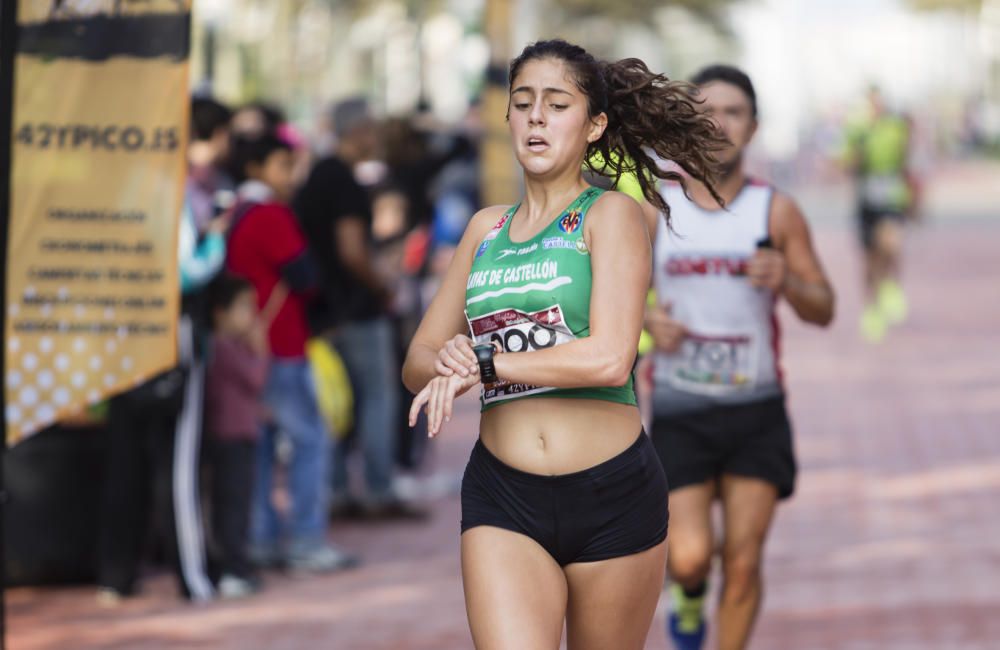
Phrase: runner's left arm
(792, 267)
(620, 268)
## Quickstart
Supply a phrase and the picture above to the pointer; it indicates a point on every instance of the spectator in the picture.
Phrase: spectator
(267, 248)
(419, 155)
(236, 375)
(337, 215)
(209, 188)
(257, 119)
(416, 158)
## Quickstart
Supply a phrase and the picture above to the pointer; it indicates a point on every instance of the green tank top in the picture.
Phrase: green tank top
(882, 148)
(535, 294)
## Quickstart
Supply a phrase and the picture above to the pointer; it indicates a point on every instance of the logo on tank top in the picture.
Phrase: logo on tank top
(492, 234)
(570, 222)
(707, 265)
(577, 245)
(524, 250)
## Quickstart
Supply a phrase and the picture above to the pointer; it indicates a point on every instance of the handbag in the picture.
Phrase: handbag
(333, 387)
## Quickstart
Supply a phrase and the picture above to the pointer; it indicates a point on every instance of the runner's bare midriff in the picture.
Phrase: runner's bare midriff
(551, 435)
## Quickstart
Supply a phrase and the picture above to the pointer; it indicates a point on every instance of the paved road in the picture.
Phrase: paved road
(890, 543)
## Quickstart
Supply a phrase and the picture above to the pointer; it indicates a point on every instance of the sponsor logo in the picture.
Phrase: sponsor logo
(499, 225)
(492, 234)
(697, 265)
(570, 222)
(531, 272)
(577, 245)
(556, 242)
(507, 252)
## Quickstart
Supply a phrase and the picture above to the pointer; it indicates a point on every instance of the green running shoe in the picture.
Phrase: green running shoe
(686, 625)
(892, 302)
(873, 324)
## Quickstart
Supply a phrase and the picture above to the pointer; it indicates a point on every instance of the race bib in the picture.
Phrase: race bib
(518, 331)
(888, 190)
(712, 365)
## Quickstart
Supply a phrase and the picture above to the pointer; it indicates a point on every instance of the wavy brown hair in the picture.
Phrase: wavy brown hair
(647, 114)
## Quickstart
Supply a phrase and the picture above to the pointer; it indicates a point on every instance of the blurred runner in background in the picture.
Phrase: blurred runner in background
(877, 153)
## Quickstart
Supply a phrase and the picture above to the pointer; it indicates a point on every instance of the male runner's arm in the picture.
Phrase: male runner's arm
(792, 268)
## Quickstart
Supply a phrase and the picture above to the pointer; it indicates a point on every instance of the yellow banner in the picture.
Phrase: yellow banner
(99, 130)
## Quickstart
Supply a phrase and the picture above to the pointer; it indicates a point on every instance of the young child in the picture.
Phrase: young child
(268, 248)
(236, 376)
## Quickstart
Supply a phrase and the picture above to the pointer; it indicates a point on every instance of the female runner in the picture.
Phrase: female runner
(564, 502)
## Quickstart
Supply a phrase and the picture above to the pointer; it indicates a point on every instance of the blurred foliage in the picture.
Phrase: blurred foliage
(413, 7)
(642, 10)
(630, 10)
(958, 5)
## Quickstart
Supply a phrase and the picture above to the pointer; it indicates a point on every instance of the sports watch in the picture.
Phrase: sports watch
(484, 355)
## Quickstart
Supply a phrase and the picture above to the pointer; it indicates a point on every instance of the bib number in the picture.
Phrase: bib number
(518, 331)
(713, 365)
(884, 191)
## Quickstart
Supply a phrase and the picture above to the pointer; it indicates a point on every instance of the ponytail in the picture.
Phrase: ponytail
(653, 119)
(650, 118)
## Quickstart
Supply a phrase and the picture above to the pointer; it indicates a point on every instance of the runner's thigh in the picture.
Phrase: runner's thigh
(515, 593)
(612, 602)
(748, 506)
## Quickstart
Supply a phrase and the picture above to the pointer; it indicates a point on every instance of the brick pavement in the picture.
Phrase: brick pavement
(890, 542)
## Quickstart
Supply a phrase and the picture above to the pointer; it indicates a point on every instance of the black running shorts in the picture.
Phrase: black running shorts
(869, 218)
(752, 440)
(616, 508)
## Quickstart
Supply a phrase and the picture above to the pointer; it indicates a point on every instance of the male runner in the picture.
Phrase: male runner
(719, 421)
(877, 151)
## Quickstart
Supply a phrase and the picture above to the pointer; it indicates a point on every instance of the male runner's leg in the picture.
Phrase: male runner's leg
(748, 507)
(689, 561)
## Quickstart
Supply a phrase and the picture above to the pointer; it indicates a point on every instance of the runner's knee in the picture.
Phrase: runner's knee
(888, 238)
(741, 567)
(689, 562)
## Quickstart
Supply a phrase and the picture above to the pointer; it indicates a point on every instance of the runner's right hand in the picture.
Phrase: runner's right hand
(667, 333)
(457, 357)
(437, 399)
